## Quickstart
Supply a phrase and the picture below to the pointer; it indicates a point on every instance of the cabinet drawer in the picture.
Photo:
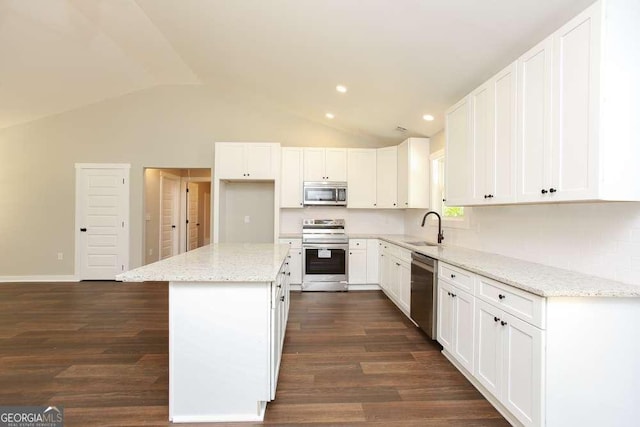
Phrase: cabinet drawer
(294, 243)
(519, 303)
(357, 243)
(457, 276)
(390, 249)
(404, 254)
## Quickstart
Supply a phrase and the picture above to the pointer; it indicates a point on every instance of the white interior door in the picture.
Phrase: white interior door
(192, 217)
(169, 214)
(102, 221)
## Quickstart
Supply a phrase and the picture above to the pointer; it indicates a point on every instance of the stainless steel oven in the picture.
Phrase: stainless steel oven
(325, 255)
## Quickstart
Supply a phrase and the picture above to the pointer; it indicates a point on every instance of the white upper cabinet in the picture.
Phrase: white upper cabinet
(413, 173)
(325, 164)
(361, 177)
(336, 164)
(534, 122)
(292, 177)
(458, 179)
(500, 154)
(578, 137)
(247, 160)
(387, 177)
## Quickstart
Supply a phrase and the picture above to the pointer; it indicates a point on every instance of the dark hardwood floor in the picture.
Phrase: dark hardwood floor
(100, 350)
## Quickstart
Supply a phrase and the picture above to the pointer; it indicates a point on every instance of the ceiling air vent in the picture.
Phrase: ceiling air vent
(401, 129)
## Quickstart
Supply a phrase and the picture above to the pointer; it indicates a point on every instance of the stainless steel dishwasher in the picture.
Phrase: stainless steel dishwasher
(424, 292)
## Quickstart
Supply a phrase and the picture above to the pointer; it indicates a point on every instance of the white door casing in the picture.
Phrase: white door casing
(169, 215)
(102, 220)
(192, 217)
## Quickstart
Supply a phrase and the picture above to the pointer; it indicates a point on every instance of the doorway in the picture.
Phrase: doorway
(176, 215)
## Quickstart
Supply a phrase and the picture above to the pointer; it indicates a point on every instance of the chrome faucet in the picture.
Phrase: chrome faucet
(440, 235)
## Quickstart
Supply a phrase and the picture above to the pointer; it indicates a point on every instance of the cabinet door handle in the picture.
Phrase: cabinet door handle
(282, 298)
(544, 191)
(398, 264)
(503, 323)
(552, 190)
(449, 293)
(453, 276)
(485, 196)
(500, 296)
(288, 273)
(454, 295)
(496, 319)
(350, 253)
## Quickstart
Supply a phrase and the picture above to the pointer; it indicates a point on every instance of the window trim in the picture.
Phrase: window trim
(463, 222)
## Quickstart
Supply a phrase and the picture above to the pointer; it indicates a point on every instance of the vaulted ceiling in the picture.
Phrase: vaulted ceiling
(400, 59)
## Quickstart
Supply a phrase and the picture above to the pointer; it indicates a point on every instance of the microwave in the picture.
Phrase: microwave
(325, 193)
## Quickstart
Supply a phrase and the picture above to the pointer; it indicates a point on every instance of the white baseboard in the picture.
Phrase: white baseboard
(42, 278)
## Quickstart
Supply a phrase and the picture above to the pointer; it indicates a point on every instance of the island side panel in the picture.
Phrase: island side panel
(218, 351)
(593, 359)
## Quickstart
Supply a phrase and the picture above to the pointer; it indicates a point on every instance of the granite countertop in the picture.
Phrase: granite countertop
(221, 262)
(539, 279)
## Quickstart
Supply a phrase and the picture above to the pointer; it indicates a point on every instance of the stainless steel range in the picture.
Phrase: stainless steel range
(325, 248)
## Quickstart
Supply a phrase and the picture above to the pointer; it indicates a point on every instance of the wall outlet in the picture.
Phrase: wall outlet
(60, 256)
(150, 251)
(247, 219)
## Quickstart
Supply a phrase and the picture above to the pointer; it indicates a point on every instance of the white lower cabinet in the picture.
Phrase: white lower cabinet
(504, 353)
(395, 275)
(363, 261)
(455, 330)
(280, 294)
(357, 266)
(295, 260)
(509, 362)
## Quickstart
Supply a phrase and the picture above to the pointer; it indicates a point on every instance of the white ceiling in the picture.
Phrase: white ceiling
(400, 59)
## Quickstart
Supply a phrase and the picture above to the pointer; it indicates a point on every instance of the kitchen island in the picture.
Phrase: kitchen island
(228, 307)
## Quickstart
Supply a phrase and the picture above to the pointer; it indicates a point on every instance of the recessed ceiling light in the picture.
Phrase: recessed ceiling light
(329, 116)
(341, 89)
(427, 117)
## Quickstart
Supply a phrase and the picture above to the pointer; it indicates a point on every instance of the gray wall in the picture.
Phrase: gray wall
(252, 199)
(164, 127)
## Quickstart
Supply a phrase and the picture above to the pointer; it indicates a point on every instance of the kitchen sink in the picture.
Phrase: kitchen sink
(421, 243)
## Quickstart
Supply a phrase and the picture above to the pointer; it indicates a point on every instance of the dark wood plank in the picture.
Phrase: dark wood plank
(101, 350)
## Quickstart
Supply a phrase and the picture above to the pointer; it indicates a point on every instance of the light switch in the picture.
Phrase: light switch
(247, 219)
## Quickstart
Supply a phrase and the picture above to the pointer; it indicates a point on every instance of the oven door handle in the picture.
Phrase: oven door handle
(320, 246)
